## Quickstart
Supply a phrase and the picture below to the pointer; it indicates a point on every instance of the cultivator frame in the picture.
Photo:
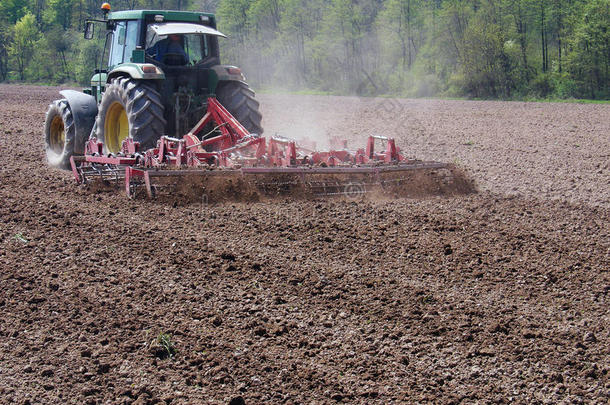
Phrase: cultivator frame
(234, 152)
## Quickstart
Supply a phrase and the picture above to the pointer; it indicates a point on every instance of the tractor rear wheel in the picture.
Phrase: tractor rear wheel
(238, 98)
(59, 134)
(129, 109)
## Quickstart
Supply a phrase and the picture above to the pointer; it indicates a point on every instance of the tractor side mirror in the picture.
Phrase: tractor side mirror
(89, 29)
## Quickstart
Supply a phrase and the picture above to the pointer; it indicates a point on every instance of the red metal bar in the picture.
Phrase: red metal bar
(75, 171)
(224, 137)
(227, 117)
(370, 148)
(262, 148)
(111, 160)
(181, 154)
(93, 147)
(201, 124)
(344, 170)
(390, 153)
(129, 173)
(282, 152)
(128, 181)
(129, 146)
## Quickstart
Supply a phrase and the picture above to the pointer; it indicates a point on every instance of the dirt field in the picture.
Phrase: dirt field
(500, 296)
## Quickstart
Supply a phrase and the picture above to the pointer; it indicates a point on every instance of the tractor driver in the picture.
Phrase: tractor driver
(172, 45)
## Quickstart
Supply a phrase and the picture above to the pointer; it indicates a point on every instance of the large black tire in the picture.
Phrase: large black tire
(238, 98)
(129, 108)
(59, 134)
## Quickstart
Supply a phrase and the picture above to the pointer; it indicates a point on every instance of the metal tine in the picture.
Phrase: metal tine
(103, 172)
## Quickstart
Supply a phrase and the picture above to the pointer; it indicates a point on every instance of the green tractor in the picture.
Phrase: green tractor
(162, 66)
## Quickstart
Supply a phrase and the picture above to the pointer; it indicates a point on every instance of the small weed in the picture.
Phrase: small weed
(468, 143)
(428, 299)
(166, 346)
(21, 238)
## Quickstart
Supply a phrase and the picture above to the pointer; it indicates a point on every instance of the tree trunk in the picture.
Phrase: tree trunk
(409, 32)
(521, 26)
(543, 38)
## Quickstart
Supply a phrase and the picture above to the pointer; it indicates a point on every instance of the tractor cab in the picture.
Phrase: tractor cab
(177, 51)
(181, 44)
(165, 38)
(158, 70)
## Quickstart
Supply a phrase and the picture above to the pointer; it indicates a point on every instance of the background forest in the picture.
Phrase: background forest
(467, 48)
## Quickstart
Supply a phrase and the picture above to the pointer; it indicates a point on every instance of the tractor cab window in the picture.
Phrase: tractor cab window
(118, 43)
(177, 49)
(133, 29)
(197, 47)
(124, 40)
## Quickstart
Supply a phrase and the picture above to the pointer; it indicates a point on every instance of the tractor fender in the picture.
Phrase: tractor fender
(84, 111)
(225, 73)
(135, 71)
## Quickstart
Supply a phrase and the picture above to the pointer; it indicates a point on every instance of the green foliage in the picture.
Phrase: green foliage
(21, 238)
(402, 23)
(58, 12)
(5, 39)
(87, 60)
(542, 85)
(25, 37)
(589, 61)
(564, 86)
(453, 47)
(462, 48)
(233, 15)
(167, 346)
(13, 10)
(485, 65)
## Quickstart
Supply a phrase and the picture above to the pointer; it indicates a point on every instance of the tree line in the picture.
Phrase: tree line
(467, 48)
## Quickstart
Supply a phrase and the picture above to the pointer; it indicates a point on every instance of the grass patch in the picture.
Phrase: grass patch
(312, 92)
(564, 100)
(302, 92)
(165, 346)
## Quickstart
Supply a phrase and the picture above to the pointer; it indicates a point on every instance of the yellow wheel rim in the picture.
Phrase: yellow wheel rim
(57, 136)
(116, 127)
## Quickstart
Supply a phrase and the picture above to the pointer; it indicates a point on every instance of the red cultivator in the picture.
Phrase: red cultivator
(276, 166)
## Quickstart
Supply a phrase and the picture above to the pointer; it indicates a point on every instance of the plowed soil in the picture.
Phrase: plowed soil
(500, 296)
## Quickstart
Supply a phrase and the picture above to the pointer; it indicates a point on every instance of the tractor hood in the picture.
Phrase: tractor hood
(162, 29)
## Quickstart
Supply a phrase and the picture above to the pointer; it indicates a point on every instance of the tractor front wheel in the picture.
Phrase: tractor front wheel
(59, 134)
(129, 109)
(238, 98)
